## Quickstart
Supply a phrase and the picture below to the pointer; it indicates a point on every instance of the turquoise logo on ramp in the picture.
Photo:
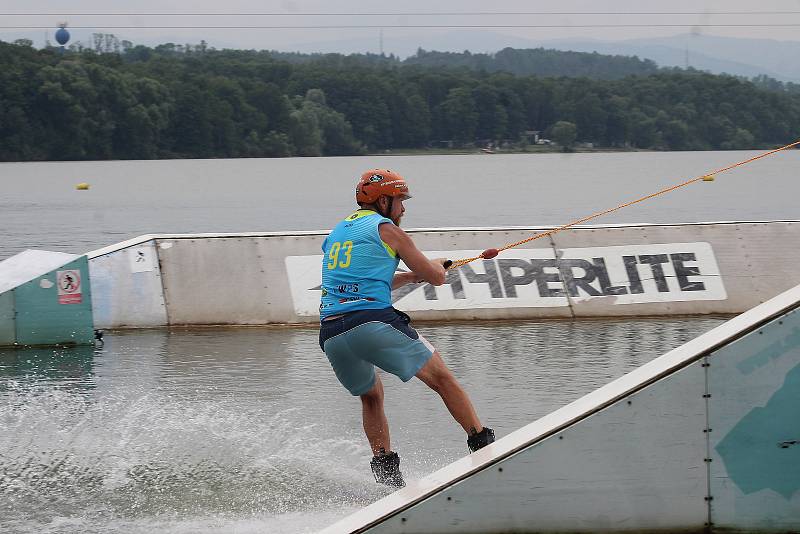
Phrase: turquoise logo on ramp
(763, 450)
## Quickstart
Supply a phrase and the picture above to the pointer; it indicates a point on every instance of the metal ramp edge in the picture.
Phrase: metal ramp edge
(463, 469)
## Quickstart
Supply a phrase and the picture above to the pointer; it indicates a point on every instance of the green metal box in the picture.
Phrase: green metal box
(7, 331)
(49, 301)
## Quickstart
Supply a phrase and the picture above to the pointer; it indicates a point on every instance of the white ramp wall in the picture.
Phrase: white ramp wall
(617, 270)
(127, 281)
(704, 438)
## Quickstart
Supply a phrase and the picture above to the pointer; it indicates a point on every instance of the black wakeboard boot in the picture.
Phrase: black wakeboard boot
(479, 440)
(386, 468)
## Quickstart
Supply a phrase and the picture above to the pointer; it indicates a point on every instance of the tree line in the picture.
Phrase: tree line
(520, 62)
(175, 101)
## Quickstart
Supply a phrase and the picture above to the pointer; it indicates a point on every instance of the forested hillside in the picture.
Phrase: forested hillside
(521, 62)
(540, 62)
(190, 101)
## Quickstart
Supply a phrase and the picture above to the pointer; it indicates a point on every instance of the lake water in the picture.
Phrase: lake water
(246, 429)
(40, 208)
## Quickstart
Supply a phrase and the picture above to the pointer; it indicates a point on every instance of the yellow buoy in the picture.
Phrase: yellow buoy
(708, 178)
(83, 186)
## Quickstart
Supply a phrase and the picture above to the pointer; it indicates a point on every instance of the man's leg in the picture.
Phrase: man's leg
(439, 378)
(385, 464)
(375, 424)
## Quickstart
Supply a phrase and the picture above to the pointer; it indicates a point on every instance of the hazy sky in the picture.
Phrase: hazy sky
(145, 20)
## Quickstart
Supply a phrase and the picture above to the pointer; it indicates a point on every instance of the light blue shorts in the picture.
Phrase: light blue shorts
(358, 341)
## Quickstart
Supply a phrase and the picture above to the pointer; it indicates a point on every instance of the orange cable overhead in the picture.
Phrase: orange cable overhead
(492, 252)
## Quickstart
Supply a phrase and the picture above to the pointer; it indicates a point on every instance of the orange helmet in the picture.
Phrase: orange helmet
(378, 182)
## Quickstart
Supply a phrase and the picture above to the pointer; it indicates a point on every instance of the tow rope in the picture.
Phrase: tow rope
(490, 253)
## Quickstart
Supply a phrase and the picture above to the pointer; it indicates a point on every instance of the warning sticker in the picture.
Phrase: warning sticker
(69, 287)
(141, 259)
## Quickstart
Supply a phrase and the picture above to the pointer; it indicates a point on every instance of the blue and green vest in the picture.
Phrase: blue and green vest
(357, 266)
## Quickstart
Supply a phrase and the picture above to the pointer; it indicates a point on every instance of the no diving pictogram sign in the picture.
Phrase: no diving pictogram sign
(69, 286)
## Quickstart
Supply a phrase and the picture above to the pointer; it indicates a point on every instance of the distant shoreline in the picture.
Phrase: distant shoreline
(548, 149)
(419, 152)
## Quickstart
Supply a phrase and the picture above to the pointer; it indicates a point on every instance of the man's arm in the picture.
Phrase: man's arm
(430, 271)
(401, 279)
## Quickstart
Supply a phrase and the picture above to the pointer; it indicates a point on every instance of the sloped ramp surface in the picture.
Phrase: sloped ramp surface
(705, 437)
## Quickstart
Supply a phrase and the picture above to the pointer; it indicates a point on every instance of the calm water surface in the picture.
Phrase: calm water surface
(40, 208)
(246, 430)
